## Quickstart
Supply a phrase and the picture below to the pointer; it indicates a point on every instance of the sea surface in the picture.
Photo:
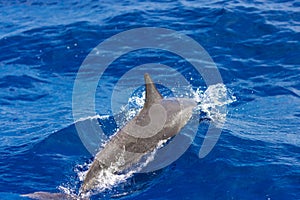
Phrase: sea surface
(254, 44)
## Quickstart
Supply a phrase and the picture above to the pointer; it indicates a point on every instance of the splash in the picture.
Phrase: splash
(108, 179)
(132, 108)
(67, 189)
(213, 102)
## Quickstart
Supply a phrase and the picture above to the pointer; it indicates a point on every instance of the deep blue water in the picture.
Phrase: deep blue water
(255, 45)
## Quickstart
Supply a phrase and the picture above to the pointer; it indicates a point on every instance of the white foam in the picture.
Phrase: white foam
(92, 117)
(214, 101)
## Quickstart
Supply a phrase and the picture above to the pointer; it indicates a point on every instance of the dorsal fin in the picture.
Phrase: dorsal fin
(152, 94)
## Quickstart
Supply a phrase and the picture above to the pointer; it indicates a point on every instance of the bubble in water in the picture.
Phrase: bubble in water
(213, 102)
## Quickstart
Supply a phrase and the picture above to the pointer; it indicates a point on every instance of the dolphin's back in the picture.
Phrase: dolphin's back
(157, 121)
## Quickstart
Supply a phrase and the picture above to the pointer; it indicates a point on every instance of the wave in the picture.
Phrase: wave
(254, 44)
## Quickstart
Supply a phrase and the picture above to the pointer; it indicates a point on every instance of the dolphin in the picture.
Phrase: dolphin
(159, 120)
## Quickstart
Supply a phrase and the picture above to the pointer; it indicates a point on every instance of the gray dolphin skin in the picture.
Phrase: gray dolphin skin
(159, 120)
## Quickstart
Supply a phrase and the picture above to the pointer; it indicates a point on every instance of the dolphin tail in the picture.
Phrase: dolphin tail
(52, 196)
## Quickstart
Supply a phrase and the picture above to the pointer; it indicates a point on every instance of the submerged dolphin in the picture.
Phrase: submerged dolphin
(159, 120)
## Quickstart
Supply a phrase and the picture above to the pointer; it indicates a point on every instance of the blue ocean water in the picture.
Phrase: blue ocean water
(255, 45)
